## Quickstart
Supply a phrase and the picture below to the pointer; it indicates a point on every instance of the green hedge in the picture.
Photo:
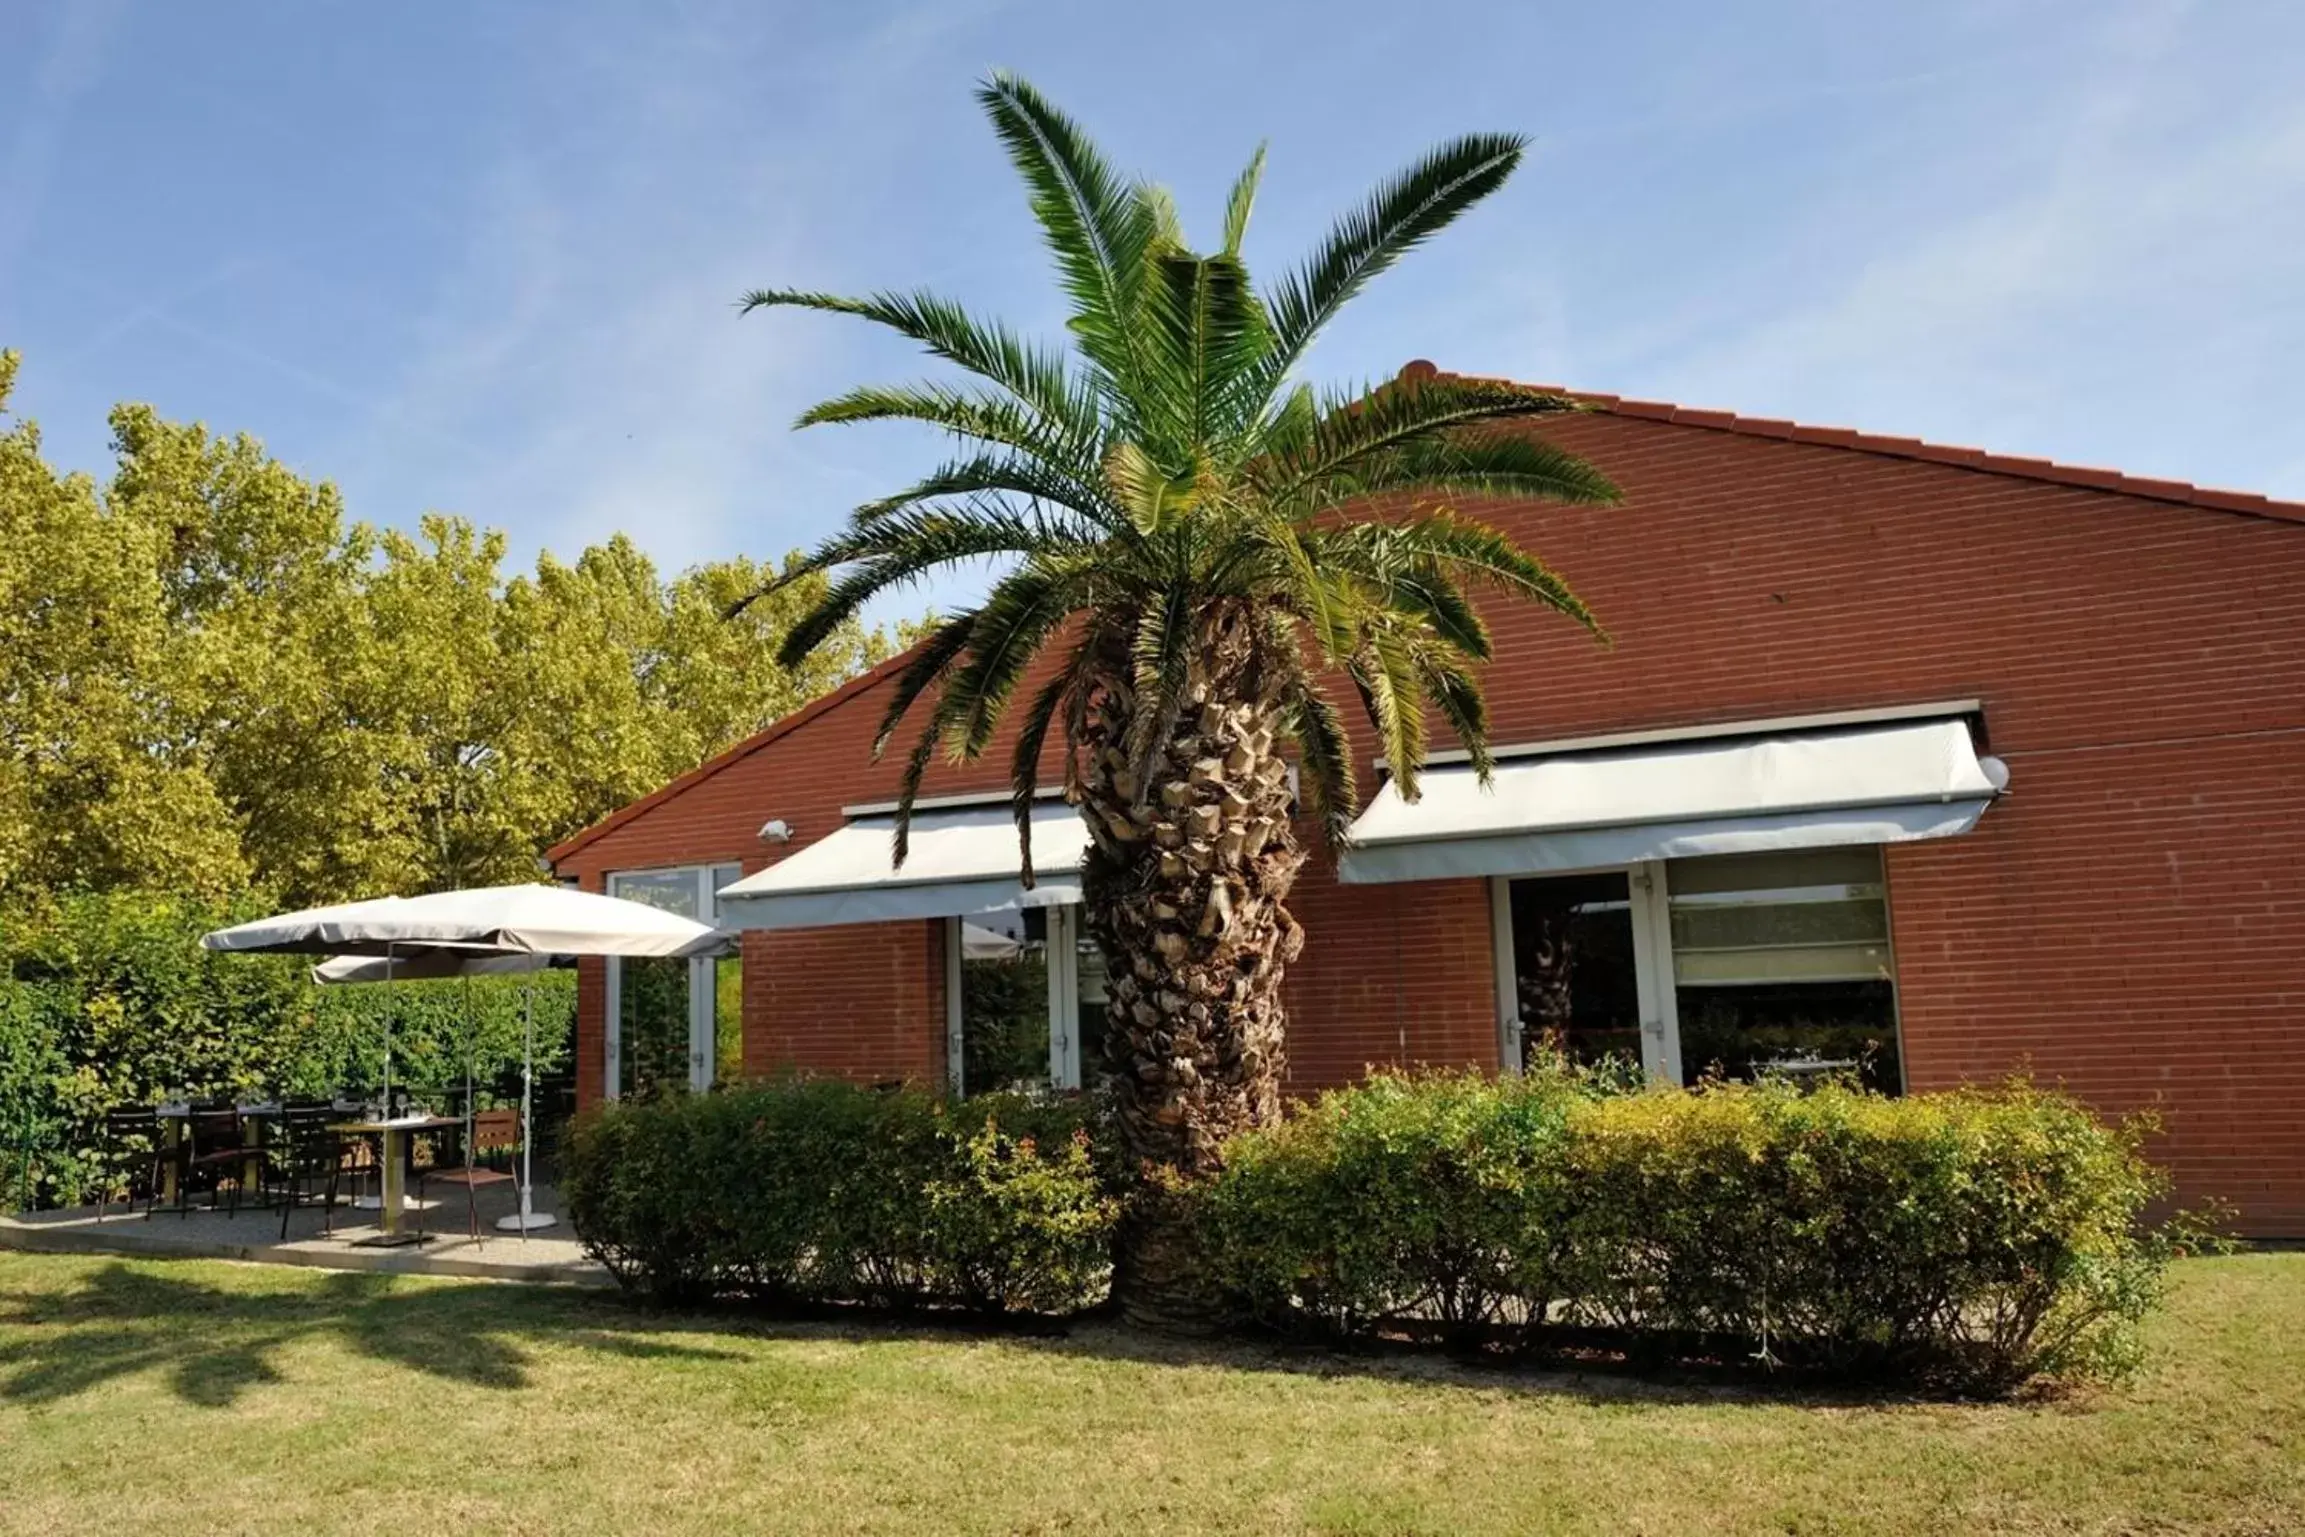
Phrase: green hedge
(817, 1191)
(109, 999)
(1967, 1241)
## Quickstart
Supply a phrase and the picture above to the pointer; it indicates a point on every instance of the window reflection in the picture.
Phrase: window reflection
(1004, 1001)
(1782, 965)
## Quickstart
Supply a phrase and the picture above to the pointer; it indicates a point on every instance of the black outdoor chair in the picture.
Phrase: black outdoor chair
(131, 1157)
(215, 1152)
(306, 1155)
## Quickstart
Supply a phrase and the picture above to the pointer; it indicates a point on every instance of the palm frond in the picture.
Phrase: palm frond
(1385, 673)
(1405, 575)
(1241, 201)
(1015, 474)
(1493, 462)
(1034, 375)
(1032, 734)
(1411, 208)
(1456, 694)
(931, 659)
(1205, 333)
(1364, 428)
(976, 415)
(901, 548)
(1017, 616)
(1477, 552)
(916, 765)
(1096, 226)
(1159, 660)
(1324, 758)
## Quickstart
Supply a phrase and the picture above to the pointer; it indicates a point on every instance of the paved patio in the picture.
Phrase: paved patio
(551, 1256)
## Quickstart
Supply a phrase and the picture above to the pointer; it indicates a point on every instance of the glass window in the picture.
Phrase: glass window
(1781, 964)
(1573, 966)
(663, 1002)
(652, 1025)
(727, 991)
(673, 890)
(1004, 995)
(1089, 980)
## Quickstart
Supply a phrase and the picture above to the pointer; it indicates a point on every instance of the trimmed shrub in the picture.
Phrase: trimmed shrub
(1966, 1241)
(818, 1191)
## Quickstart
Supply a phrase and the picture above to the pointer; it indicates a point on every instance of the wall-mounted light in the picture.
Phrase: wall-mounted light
(776, 830)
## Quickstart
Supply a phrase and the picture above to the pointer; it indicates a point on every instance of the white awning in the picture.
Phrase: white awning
(1590, 810)
(962, 860)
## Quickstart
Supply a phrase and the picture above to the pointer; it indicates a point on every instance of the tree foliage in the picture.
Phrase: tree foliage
(212, 680)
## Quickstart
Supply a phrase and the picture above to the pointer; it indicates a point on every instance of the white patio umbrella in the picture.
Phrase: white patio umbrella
(437, 962)
(488, 928)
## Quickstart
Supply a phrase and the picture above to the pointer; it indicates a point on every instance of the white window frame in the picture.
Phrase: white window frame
(703, 987)
(1064, 1057)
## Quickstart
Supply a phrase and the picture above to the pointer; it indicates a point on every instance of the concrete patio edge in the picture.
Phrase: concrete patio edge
(124, 1240)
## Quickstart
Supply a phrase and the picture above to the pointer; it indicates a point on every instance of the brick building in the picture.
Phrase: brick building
(1938, 763)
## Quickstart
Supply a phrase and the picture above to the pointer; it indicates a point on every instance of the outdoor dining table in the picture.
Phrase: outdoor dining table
(392, 1161)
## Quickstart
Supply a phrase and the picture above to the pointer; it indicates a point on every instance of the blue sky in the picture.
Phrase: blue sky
(483, 258)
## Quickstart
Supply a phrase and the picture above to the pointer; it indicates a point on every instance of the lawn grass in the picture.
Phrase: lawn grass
(194, 1396)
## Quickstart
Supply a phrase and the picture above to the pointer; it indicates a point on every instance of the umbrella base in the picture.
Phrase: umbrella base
(525, 1222)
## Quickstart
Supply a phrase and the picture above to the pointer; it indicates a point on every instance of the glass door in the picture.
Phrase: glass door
(674, 1023)
(1575, 990)
(1583, 969)
(1025, 1001)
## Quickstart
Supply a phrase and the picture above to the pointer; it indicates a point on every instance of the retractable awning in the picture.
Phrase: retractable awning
(1734, 795)
(962, 860)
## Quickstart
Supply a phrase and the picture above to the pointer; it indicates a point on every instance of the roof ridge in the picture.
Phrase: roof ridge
(2249, 503)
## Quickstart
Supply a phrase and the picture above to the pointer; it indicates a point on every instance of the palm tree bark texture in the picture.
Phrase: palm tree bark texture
(1182, 524)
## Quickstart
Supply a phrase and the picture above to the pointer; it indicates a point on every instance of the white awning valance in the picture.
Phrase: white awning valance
(962, 860)
(1581, 811)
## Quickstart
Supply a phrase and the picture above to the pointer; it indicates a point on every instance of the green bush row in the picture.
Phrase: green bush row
(1967, 1241)
(818, 1191)
(108, 999)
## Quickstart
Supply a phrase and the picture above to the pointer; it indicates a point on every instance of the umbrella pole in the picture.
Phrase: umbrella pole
(527, 1217)
(389, 956)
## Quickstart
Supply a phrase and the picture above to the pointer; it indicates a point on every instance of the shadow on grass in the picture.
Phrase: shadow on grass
(215, 1342)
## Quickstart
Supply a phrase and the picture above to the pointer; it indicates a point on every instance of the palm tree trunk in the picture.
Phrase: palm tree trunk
(1192, 858)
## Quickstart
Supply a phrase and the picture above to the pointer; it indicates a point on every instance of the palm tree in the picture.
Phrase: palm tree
(1183, 563)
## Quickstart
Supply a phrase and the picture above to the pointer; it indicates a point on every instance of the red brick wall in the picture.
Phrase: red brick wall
(2130, 920)
(865, 1000)
(1390, 976)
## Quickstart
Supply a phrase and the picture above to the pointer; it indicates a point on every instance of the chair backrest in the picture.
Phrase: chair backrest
(129, 1120)
(305, 1130)
(495, 1130)
(214, 1129)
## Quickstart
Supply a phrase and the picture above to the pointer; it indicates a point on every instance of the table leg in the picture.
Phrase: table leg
(252, 1167)
(394, 1177)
